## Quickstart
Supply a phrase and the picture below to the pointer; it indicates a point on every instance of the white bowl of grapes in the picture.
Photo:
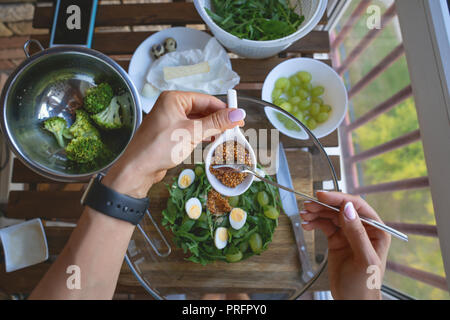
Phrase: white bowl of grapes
(312, 93)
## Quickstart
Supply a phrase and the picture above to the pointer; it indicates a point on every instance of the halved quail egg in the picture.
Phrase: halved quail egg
(186, 178)
(221, 237)
(237, 218)
(193, 208)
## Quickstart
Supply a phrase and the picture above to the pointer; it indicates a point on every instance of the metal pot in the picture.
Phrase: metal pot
(51, 83)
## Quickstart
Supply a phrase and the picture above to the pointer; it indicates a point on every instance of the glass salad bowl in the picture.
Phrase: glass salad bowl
(277, 272)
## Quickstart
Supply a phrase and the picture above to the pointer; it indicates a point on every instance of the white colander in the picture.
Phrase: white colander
(313, 11)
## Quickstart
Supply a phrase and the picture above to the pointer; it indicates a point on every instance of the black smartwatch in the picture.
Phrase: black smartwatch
(112, 203)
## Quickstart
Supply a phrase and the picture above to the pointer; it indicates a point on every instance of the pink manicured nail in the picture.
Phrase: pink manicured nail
(237, 115)
(349, 211)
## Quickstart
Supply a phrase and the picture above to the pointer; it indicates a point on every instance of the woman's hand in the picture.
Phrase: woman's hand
(167, 136)
(353, 246)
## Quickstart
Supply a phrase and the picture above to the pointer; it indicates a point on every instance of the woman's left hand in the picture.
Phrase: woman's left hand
(167, 136)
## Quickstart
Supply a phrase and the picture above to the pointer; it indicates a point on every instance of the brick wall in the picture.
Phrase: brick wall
(15, 28)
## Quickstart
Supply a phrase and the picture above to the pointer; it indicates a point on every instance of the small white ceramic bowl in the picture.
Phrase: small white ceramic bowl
(335, 93)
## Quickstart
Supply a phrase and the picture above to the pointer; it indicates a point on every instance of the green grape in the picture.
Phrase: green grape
(255, 242)
(304, 76)
(263, 198)
(292, 91)
(281, 83)
(271, 213)
(317, 100)
(286, 106)
(299, 115)
(276, 93)
(199, 171)
(282, 118)
(322, 117)
(311, 123)
(307, 86)
(295, 100)
(279, 101)
(243, 246)
(234, 256)
(304, 104)
(233, 201)
(303, 94)
(294, 80)
(314, 109)
(317, 91)
(291, 125)
(325, 108)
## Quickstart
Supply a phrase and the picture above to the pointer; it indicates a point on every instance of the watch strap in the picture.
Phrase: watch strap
(114, 204)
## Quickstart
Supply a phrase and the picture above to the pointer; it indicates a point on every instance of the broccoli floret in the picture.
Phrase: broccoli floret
(83, 127)
(84, 149)
(125, 107)
(66, 134)
(104, 157)
(98, 98)
(109, 118)
(57, 126)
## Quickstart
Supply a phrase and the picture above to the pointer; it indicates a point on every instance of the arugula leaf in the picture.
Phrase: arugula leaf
(256, 19)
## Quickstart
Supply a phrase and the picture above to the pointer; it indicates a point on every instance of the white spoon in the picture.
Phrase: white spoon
(234, 134)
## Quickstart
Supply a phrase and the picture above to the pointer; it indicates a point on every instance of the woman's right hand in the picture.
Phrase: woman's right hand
(353, 246)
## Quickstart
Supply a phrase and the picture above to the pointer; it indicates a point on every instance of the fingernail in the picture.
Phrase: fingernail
(322, 191)
(349, 211)
(305, 222)
(237, 115)
(303, 212)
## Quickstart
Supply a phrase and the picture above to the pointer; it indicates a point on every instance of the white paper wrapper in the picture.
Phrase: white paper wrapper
(218, 80)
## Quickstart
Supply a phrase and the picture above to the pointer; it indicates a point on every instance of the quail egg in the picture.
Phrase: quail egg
(158, 50)
(221, 237)
(186, 178)
(193, 208)
(237, 218)
(170, 44)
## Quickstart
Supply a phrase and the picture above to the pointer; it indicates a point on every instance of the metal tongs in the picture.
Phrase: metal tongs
(242, 168)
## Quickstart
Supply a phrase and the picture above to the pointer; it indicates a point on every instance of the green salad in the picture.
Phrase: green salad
(256, 19)
(201, 233)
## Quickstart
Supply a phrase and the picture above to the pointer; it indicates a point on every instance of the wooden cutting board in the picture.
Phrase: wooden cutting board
(276, 270)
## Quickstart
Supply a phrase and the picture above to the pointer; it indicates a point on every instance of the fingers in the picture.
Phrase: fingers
(194, 103)
(327, 227)
(221, 120)
(356, 234)
(309, 216)
(339, 199)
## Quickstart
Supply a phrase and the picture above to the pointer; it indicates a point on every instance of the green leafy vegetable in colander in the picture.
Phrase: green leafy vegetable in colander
(199, 236)
(256, 19)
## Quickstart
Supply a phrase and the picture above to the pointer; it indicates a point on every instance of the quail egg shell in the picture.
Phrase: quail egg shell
(237, 218)
(186, 178)
(221, 237)
(193, 208)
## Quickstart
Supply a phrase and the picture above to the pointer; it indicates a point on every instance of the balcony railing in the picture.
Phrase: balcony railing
(351, 158)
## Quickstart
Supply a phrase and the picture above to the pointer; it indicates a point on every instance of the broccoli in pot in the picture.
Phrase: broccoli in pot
(98, 98)
(57, 126)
